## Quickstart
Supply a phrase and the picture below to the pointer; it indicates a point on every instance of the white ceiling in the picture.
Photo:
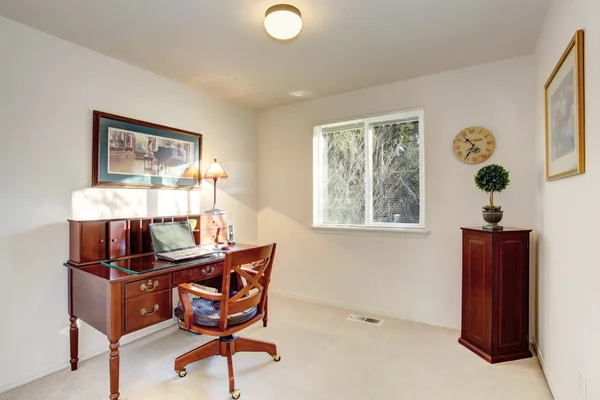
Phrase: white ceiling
(220, 46)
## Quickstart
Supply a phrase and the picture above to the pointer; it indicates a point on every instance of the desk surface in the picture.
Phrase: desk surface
(145, 264)
(149, 263)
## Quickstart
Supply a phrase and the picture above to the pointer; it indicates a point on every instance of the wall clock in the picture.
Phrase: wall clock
(474, 145)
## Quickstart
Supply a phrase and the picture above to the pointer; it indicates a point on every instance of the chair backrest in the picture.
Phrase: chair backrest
(252, 269)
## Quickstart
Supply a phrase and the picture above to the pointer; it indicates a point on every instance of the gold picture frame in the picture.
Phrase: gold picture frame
(564, 97)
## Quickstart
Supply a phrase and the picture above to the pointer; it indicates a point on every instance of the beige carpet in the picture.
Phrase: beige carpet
(324, 356)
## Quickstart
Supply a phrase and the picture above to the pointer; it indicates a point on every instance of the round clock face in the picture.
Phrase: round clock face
(474, 145)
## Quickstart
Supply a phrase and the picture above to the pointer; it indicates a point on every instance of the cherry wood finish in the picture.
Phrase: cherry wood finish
(495, 293)
(144, 286)
(100, 240)
(111, 300)
(252, 270)
(149, 309)
(198, 273)
(88, 241)
(117, 239)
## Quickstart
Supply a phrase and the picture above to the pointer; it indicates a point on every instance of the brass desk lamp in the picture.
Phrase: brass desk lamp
(215, 172)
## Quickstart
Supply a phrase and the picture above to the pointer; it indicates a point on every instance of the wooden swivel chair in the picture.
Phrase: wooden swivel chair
(223, 314)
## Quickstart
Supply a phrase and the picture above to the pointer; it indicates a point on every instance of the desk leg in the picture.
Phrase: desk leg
(266, 317)
(74, 337)
(114, 369)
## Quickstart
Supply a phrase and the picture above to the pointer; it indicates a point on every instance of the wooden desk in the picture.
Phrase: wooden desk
(116, 302)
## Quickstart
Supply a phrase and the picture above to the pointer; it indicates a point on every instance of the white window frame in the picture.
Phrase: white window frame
(371, 228)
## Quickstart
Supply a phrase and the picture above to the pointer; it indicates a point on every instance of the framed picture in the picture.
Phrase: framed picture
(137, 154)
(565, 130)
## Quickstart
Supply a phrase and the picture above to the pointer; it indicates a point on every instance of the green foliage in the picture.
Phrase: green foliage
(395, 173)
(492, 178)
(492, 208)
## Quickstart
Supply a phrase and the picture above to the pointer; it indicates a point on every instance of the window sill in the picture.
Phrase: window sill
(417, 233)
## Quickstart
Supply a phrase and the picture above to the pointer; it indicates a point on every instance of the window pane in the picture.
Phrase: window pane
(342, 197)
(396, 172)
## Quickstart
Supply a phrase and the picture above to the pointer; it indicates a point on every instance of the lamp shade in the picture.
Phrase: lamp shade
(215, 171)
(283, 21)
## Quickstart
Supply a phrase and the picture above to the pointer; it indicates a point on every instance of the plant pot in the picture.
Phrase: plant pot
(492, 218)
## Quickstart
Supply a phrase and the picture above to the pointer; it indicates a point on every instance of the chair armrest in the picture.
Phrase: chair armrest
(188, 311)
(187, 288)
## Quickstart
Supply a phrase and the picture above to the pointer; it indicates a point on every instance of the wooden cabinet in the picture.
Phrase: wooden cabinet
(495, 293)
(88, 241)
(212, 225)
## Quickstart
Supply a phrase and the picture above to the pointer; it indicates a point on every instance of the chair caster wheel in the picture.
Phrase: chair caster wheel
(277, 357)
(182, 373)
(236, 394)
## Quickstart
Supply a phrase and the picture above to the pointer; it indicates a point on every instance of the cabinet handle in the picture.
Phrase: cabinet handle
(114, 240)
(146, 313)
(148, 287)
(208, 271)
(101, 240)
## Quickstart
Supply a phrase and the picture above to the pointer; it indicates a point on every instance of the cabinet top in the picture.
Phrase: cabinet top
(156, 217)
(499, 232)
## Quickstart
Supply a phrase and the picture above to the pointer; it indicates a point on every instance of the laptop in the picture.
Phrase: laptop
(174, 241)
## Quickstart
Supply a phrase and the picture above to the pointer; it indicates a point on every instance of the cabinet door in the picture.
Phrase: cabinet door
(93, 241)
(208, 236)
(213, 221)
(117, 234)
(511, 287)
(477, 290)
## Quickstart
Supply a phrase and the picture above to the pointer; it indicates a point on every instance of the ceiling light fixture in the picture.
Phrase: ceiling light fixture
(283, 21)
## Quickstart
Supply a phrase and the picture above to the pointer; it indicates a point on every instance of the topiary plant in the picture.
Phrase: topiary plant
(492, 178)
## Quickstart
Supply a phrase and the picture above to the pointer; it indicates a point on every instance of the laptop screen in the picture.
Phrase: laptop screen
(171, 236)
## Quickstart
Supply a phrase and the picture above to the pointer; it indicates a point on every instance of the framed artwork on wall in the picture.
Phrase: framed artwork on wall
(129, 153)
(565, 113)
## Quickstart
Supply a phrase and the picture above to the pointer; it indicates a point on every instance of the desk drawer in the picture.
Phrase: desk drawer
(144, 286)
(197, 274)
(150, 309)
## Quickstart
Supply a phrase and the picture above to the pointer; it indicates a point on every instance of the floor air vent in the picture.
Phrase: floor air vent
(366, 320)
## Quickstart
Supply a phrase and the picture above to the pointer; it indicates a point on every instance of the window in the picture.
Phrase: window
(368, 173)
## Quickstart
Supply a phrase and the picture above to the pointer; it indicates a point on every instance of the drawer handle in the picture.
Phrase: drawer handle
(148, 287)
(208, 271)
(146, 313)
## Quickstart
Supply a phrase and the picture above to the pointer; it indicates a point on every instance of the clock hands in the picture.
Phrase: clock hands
(470, 150)
(473, 149)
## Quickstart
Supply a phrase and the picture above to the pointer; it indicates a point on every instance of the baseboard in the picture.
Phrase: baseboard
(540, 357)
(357, 308)
(89, 354)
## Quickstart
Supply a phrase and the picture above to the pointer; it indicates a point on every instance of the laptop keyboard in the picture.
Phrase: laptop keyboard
(187, 253)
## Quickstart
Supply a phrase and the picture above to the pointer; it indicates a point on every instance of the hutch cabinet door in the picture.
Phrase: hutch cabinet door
(93, 241)
(117, 234)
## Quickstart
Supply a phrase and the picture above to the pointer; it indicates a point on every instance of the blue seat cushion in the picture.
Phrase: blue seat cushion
(207, 313)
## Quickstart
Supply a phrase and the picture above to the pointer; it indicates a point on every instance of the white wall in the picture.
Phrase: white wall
(569, 272)
(418, 279)
(48, 89)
